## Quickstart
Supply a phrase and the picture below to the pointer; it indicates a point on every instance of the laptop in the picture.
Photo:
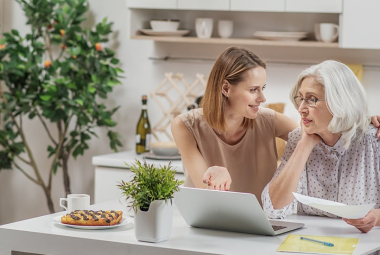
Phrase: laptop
(228, 211)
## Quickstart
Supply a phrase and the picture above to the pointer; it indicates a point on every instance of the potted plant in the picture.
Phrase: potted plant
(151, 192)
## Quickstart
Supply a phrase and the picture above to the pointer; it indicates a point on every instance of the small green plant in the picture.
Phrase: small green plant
(149, 183)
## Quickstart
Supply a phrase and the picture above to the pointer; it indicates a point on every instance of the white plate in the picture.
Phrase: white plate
(272, 33)
(150, 155)
(282, 38)
(163, 33)
(123, 222)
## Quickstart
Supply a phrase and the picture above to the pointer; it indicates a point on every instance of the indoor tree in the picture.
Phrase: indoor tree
(56, 75)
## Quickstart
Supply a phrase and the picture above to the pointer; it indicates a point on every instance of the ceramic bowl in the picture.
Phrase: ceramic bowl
(167, 25)
(164, 148)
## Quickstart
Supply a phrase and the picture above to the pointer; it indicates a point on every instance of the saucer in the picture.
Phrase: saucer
(150, 155)
(165, 33)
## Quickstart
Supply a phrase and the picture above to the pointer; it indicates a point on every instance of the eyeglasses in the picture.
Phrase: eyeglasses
(311, 102)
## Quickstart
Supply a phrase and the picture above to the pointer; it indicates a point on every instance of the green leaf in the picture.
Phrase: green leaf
(3, 40)
(114, 61)
(79, 101)
(113, 83)
(91, 89)
(15, 32)
(45, 97)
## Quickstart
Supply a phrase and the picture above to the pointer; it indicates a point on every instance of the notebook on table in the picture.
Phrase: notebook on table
(228, 211)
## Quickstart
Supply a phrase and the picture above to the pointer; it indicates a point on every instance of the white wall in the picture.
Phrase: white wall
(21, 199)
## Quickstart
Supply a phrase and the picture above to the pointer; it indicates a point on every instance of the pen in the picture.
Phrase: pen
(317, 241)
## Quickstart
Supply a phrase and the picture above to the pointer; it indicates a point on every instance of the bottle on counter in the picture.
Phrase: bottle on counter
(143, 132)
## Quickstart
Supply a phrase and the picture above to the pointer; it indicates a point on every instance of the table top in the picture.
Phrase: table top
(41, 235)
(121, 158)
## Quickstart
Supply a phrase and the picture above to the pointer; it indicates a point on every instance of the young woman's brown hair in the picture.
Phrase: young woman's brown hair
(231, 66)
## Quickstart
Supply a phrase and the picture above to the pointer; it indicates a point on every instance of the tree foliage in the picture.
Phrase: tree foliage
(55, 74)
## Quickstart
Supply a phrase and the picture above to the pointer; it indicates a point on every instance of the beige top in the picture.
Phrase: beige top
(251, 162)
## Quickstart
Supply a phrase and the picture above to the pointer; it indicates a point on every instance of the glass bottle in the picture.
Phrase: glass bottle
(143, 132)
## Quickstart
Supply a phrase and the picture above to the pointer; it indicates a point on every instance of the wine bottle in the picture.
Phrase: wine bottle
(143, 132)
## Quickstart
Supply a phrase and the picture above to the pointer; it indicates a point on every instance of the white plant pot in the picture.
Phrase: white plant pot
(155, 225)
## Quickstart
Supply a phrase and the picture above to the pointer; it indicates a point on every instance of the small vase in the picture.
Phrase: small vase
(155, 225)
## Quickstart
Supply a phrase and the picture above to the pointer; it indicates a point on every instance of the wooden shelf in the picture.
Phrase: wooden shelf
(236, 41)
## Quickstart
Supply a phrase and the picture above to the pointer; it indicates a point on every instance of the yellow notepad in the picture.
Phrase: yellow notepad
(342, 245)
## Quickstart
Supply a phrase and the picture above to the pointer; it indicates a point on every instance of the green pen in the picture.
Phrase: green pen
(317, 241)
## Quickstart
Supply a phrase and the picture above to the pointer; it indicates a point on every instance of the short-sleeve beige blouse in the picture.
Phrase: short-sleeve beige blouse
(251, 162)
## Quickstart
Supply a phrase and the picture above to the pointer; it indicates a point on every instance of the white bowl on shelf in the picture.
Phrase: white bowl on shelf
(164, 148)
(164, 25)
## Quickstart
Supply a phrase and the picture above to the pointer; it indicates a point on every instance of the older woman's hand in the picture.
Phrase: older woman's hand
(309, 139)
(367, 223)
(376, 122)
(217, 178)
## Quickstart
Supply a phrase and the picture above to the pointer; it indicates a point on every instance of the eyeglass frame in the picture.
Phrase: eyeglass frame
(307, 100)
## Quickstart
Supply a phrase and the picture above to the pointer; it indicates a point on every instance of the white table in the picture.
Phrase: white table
(40, 235)
(110, 169)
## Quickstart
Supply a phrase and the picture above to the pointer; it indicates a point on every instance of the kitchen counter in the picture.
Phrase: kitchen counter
(41, 235)
(128, 157)
(110, 169)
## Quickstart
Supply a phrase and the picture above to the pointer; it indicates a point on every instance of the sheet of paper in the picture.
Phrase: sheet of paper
(342, 245)
(338, 209)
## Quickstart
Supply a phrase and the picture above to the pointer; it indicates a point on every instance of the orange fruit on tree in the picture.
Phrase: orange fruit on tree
(62, 32)
(47, 63)
(98, 46)
(2, 46)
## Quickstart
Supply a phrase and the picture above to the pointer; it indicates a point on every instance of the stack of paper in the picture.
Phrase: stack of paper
(339, 209)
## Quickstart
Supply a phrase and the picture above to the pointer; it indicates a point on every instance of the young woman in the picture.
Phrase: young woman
(229, 144)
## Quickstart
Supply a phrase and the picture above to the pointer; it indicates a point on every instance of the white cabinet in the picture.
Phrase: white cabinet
(258, 5)
(316, 6)
(360, 24)
(152, 4)
(215, 5)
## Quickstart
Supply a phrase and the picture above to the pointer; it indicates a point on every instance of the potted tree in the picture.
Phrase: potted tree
(55, 74)
(151, 192)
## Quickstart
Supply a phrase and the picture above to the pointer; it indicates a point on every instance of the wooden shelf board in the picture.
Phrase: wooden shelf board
(238, 41)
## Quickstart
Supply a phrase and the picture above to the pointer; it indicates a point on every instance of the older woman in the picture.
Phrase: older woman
(335, 155)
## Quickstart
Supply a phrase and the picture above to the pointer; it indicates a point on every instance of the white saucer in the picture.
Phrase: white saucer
(165, 33)
(280, 36)
(123, 222)
(150, 155)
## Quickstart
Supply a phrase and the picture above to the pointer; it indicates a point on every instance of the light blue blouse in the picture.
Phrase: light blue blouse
(349, 176)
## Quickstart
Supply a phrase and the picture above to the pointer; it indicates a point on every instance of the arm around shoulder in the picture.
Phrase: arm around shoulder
(284, 125)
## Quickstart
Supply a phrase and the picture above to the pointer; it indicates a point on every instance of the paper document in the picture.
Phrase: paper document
(342, 245)
(339, 209)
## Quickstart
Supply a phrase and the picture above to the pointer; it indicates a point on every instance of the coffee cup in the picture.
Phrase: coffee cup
(317, 32)
(225, 28)
(76, 202)
(203, 27)
(328, 31)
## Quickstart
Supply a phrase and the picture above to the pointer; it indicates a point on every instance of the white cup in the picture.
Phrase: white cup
(329, 32)
(203, 27)
(76, 202)
(225, 28)
(317, 32)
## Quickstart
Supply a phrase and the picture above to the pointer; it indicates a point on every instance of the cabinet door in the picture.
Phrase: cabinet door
(258, 5)
(360, 24)
(212, 5)
(317, 6)
(152, 4)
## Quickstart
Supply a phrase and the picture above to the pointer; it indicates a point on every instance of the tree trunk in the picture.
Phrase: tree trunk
(66, 177)
(49, 200)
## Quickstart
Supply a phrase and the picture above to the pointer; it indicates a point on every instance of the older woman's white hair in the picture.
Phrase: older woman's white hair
(345, 98)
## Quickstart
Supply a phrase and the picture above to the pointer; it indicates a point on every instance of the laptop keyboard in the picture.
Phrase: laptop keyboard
(275, 228)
